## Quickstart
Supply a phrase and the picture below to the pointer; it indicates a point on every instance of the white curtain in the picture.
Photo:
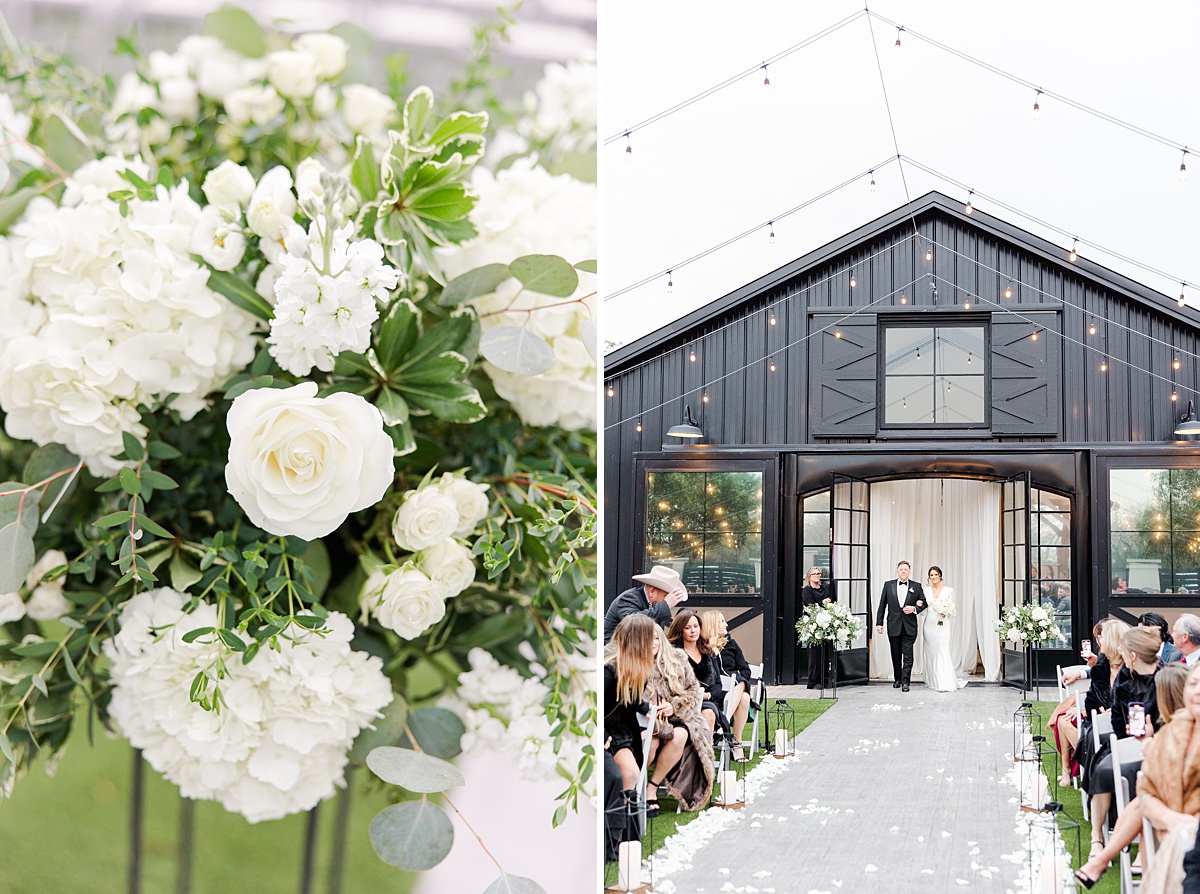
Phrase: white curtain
(953, 523)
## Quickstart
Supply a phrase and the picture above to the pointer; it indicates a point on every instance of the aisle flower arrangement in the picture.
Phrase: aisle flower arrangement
(828, 621)
(1029, 624)
(298, 386)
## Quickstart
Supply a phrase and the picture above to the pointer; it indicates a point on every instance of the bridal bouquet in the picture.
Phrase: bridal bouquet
(298, 382)
(828, 621)
(1032, 624)
(944, 607)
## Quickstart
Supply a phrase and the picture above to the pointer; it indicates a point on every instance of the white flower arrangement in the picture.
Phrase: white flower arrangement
(943, 606)
(828, 621)
(1030, 624)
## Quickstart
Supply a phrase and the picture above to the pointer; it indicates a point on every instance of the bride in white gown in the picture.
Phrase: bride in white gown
(940, 672)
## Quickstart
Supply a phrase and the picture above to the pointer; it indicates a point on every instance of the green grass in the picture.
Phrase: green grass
(664, 825)
(1110, 882)
(71, 833)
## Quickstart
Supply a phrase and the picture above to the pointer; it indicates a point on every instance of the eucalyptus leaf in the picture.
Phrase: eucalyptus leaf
(238, 30)
(473, 283)
(361, 52)
(514, 884)
(47, 462)
(17, 556)
(67, 145)
(23, 502)
(437, 730)
(588, 266)
(12, 207)
(239, 292)
(515, 349)
(546, 274)
(416, 835)
(587, 332)
(386, 730)
(414, 770)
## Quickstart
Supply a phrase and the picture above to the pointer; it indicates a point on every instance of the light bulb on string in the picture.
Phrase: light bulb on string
(929, 252)
(639, 425)
(1180, 299)
(772, 317)
(692, 357)
(968, 358)
(1033, 335)
(969, 207)
(1008, 291)
(904, 299)
(771, 232)
(1037, 109)
(1074, 255)
(611, 392)
(1104, 365)
(1183, 165)
(670, 283)
(1092, 329)
(837, 333)
(772, 366)
(1174, 396)
(871, 185)
(628, 145)
(1175, 363)
(704, 398)
(898, 30)
(853, 281)
(766, 77)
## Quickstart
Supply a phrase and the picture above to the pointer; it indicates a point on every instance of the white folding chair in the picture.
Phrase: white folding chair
(1101, 727)
(644, 771)
(758, 693)
(1149, 843)
(1080, 685)
(1124, 751)
(724, 750)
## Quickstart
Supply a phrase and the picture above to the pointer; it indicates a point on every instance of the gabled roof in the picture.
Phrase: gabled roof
(930, 203)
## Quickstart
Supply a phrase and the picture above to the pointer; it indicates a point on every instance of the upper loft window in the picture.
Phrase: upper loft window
(934, 376)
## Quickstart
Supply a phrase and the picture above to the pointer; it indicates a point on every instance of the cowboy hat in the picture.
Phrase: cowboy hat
(662, 577)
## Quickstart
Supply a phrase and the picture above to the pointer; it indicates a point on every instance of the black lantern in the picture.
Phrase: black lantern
(782, 717)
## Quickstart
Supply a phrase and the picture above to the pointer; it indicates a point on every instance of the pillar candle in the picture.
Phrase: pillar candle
(1026, 746)
(729, 787)
(629, 865)
(1053, 872)
(781, 742)
(1041, 793)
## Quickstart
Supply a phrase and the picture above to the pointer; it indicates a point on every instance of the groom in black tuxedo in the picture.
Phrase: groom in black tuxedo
(903, 599)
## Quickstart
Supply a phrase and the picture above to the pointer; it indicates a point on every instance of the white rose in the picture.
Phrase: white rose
(450, 564)
(272, 206)
(328, 50)
(366, 110)
(299, 464)
(51, 559)
(470, 501)
(179, 98)
(425, 517)
(11, 607)
(823, 618)
(405, 600)
(47, 603)
(257, 105)
(229, 185)
(324, 103)
(217, 241)
(292, 73)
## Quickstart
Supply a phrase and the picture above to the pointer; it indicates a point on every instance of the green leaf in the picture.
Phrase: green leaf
(400, 330)
(36, 649)
(416, 835)
(546, 274)
(387, 731)
(587, 334)
(239, 388)
(451, 401)
(199, 686)
(316, 557)
(438, 731)
(67, 145)
(113, 519)
(459, 333)
(161, 450)
(158, 480)
(20, 501)
(414, 770)
(46, 462)
(364, 171)
(192, 635)
(133, 447)
(417, 110)
(445, 367)
(130, 482)
(183, 574)
(515, 349)
(392, 407)
(239, 293)
(39, 683)
(150, 525)
(238, 30)
(72, 671)
(449, 202)
(390, 228)
(473, 283)
(6, 748)
(17, 556)
(402, 438)
(231, 639)
(12, 207)
(514, 884)
(586, 266)
(360, 55)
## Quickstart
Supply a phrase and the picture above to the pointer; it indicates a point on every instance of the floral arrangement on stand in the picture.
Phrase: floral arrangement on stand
(298, 381)
(828, 621)
(1029, 624)
(943, 606)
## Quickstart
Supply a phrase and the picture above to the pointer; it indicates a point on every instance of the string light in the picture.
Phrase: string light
(772, 365)
(704, 398)
(1104, 365)
(670, 283)
(1175, 364)
(771, 234)
(966, 305)
(968, 358)
(766, 77)
(628, 145)
(1037, 109)
(692, 357)
(1179, 300)
(611, 392)
(772, 317)
(853, 281)
(1183, 165)
(1174, 396)
(1008, 291)
(1092, 329)
(969, 207)
(929, 252)
(1074, 255)
(837, 333)
(904, 299)
(898, 30)
(871, 185)
(1033, 335)
(639, 425)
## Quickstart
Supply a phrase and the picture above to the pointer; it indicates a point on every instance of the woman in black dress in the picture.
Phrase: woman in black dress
(686, 633)
(732, 664)
(813, 592)
(628, 662)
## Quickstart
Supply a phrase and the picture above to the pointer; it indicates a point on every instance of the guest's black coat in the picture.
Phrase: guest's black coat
(630, 602)
(708, 672)
(1099, 694)
(811, 595)
(734, 664)
(621, 720)
(1130, 688)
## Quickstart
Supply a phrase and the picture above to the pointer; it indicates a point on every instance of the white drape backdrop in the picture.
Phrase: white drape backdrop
(953, 523)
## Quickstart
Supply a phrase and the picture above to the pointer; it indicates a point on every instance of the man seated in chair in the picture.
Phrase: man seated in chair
(660, 591)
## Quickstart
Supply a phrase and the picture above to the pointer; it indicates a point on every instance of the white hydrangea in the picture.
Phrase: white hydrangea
(327, 296)
(279, 743)
(105, 312)
(46, 600)
(526, 210)
(561, 110)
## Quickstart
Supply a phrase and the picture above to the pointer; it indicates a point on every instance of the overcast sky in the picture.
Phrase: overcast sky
(746, 154)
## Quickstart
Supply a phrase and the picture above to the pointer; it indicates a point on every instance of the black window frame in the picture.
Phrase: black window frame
(963, 320)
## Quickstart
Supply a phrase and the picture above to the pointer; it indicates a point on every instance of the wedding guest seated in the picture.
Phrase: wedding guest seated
(1064, 721)
(1167, 653)
(689, 780)
(685, 633)
(1186, 637)
(1169, 687)
(628, 664)
(1134, 684)
(660, 591)
(733, 664)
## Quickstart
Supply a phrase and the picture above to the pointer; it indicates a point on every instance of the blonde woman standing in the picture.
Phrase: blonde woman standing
(811, 593)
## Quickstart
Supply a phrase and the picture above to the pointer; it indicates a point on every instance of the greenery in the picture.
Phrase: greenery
(664, 825)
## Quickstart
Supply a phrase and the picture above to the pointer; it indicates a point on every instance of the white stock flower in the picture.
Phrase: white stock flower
(12, 608)
(427, 516)
(299, 464)
(254, 104)
(292, 73)
(279, 744)
(470, 501)
(450, 564)
(405, 600)
(229, 185)
(328, 52)
(366, 110)
(272, 204)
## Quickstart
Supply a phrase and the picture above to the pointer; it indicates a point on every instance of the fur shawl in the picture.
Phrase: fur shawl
(690, 781)
(1169, 771)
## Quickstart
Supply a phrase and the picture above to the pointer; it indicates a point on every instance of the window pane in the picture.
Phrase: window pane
(960, 399)
(908, 399)
(1139, 557)
(1185, 558)
(818, 502)
(1138, 499)
(1053, 528)
(1051, 502)
(960, 350)
(909, 351)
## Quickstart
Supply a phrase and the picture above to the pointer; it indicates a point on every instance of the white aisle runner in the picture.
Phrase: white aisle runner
(898, 792)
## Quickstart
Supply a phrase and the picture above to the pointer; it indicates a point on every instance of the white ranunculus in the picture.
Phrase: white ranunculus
(292, 73)
(366, 110)
(470, 501)
(328, 50)
(299, 464)
(229, 185)
(254, 104)
(426, 517)
(404, 600)
(272, 205)
(450, 564)
(12, 608)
